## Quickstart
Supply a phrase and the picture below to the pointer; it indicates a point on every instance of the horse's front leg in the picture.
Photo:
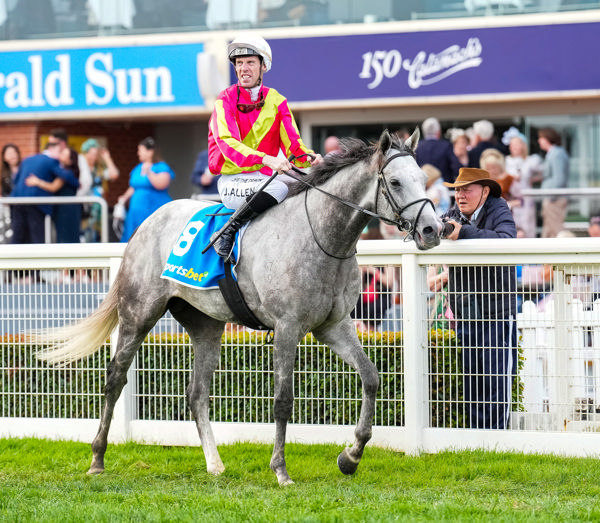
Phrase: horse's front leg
(343, 341)
(205, 334)
(284, 357)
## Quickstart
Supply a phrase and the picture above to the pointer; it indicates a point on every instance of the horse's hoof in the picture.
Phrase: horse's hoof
(94, 471)
(346, 463)
(285, 482)
(283, 478)
(217, 469)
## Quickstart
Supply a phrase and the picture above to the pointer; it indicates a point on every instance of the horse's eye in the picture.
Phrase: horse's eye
(394, 182)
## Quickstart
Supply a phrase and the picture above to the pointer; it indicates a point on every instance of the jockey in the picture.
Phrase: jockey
(249, 126)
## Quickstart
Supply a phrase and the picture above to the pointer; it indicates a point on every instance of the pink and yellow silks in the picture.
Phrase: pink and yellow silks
(238, 141)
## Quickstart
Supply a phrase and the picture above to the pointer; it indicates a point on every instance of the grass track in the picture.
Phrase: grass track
(46, 481)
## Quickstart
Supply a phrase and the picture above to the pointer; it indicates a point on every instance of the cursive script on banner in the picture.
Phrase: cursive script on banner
(423, 69)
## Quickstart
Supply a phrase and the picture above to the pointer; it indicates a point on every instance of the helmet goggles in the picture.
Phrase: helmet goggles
(248, 108)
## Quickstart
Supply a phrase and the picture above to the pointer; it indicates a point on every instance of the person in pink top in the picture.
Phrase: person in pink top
(249, 127)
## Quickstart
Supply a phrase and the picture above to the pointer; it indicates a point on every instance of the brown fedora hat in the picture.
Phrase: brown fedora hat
(469, 175)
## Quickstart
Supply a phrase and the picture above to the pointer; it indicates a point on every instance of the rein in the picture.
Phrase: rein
(402, 223)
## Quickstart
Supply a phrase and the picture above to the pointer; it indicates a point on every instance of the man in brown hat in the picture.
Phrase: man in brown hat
(483, 300)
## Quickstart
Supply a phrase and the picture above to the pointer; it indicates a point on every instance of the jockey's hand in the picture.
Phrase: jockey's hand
(281, 165)
(315, 159)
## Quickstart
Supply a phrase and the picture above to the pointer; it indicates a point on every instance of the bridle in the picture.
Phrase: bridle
(399, 221)
(382, 186)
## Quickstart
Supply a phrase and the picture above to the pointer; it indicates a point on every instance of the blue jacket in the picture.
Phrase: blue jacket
(45, 168)
(475, 153)
(440, 154)
(199, 167)
(484, 292)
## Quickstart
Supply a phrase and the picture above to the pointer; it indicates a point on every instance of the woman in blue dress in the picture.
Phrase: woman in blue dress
(148, 187)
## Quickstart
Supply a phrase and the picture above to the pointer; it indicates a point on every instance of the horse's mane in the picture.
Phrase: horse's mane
(352, 151)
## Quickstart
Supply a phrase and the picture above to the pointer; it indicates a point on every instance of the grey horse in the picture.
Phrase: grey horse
(297, 272)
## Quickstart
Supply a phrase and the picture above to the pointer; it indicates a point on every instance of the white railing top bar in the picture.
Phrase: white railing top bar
(60, 255)
(586, 192)
(369, 252)
(488, 251)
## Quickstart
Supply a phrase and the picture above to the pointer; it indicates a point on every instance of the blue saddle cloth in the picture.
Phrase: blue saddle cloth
(186, 264)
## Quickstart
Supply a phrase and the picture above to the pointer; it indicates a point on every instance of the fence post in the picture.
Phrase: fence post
(562, 348)
(48, 229)
(595, 348)
(535, 351)
(124, 408)
(416, 390)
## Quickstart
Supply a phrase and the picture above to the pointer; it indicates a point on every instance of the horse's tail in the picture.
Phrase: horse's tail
(78, 340)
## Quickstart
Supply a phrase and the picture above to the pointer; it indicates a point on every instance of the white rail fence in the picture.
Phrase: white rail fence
(555, 407)
(63, 200)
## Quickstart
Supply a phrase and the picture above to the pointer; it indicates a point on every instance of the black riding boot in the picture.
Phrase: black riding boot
(255, 204)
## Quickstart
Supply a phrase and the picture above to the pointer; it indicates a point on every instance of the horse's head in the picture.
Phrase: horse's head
(401, 191)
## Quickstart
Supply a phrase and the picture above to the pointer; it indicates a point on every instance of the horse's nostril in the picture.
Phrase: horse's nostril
(428, 230)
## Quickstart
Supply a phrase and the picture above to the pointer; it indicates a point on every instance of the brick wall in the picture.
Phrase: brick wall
(23, 135)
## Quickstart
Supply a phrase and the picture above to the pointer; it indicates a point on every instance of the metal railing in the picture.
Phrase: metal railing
(62, 200)
(579, 192)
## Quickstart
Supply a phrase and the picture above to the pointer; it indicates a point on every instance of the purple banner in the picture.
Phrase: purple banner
(521, 59)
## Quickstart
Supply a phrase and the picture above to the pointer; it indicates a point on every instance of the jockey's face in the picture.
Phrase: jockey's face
(248, 70)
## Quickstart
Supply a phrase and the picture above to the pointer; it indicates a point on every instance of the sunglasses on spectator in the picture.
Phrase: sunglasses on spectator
(248, 108)
(52, 144)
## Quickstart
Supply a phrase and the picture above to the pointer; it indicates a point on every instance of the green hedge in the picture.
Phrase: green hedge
(327, 391)
(32, 389)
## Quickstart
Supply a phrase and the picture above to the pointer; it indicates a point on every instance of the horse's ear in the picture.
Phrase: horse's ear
(413, 140)
(385, 141)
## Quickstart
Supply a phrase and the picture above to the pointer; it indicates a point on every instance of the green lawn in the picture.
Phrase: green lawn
(46, 481)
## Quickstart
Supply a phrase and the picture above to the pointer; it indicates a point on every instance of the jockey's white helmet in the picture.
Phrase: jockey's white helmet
(250, 45)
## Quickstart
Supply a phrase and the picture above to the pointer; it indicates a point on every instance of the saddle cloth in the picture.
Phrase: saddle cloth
(186, 264)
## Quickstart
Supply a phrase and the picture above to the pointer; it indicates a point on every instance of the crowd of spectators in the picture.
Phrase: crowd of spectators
(86, 170)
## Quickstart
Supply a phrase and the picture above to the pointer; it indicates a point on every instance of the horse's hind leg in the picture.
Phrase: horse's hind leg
(116, 378)
(205, 334)
(342, 340)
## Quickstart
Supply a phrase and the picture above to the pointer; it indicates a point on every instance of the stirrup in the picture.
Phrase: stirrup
(222, 250)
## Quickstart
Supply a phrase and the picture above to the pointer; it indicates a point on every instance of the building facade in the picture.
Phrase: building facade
(120, 71)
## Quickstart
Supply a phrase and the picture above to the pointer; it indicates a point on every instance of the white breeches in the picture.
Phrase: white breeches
(234, 188)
